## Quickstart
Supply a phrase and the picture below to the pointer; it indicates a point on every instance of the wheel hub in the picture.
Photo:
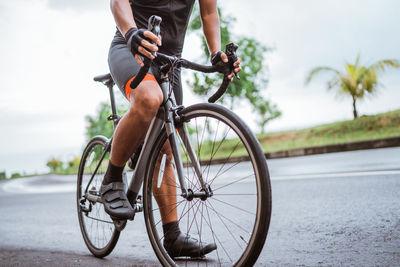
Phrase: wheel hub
(203, 194)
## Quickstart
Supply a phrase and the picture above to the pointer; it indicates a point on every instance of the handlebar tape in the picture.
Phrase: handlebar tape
(198, 67)
(220, 91)
(142, 72)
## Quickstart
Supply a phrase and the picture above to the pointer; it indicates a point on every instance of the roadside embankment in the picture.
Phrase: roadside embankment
(371, 144)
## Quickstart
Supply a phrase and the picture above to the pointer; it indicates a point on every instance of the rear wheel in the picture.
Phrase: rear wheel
(236, 217)
(98, 230)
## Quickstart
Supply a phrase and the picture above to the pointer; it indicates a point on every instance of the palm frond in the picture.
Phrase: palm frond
(347, 85)
(317, 70)
(382, 64)
(334, 82)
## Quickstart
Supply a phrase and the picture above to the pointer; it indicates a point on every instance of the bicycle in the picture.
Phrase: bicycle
(220, 170)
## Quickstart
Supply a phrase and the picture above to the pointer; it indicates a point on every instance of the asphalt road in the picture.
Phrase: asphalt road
(340, 209)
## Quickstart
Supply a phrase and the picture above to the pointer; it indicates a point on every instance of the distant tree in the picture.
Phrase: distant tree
(55, 165)
(357, 81)
(3, 175)
(253, 77)
(74, 163)
(72, 166)
(266, 112)
(98, 124)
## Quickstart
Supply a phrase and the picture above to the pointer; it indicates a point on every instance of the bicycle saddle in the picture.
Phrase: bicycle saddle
(105, 78)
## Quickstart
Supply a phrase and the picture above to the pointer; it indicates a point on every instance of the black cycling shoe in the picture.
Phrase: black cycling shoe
(115, 202)
(185, 246)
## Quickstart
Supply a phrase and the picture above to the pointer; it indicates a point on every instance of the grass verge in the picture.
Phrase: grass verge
(365, 128)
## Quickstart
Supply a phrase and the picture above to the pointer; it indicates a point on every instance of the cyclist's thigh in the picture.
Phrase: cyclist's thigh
(123, 66)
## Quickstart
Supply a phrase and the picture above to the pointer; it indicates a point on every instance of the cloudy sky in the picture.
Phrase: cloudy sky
(51, 49)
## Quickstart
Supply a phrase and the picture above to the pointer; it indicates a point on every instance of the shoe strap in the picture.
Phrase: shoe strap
(114, 186)
(110, 197)
(118, 204)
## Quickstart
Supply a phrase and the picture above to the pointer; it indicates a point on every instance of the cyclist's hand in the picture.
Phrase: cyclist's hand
(142, 43)
(236, 65)
(221, 56)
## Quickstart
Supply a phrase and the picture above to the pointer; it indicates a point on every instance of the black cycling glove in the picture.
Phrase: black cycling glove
(222, 67)
(216, 58)
(134, 38)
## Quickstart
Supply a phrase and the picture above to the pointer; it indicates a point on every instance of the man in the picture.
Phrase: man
(130, 44)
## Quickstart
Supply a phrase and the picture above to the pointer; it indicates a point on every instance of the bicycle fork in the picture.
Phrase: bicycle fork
(187, 193)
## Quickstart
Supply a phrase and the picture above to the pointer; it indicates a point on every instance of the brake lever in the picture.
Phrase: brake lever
(154, 24)
(230, 51)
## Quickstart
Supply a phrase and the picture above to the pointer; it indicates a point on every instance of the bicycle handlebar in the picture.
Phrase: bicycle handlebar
(209, 69)
(225, 68)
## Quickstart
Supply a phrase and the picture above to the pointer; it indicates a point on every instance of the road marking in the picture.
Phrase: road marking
(68, 184)
(334, 175)
(28, 186)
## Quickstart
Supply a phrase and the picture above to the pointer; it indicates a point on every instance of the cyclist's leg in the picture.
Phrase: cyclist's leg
(165, 193)
(165, 190)
(131, 130)
(145, 101)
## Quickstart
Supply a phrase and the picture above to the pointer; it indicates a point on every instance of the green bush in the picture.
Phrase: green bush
(55, 165)
(16, 175)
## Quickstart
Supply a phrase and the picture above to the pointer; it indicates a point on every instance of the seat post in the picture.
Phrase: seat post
(115, 116)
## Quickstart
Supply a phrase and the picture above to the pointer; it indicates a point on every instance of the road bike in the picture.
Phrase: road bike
(222, 184)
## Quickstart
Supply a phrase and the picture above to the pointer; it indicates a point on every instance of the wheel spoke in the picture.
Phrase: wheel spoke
(234, 182)
(222, 166)
(214, 235)
(234, 223)
(233, 206)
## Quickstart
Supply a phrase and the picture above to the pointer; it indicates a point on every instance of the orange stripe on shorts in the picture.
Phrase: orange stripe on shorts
(147, 77)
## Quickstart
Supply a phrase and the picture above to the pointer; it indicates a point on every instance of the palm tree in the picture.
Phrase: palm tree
(357, 81)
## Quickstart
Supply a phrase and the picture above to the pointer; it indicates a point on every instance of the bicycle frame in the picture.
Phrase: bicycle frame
(163, 121)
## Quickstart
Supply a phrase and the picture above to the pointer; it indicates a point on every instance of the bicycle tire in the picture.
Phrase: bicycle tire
(100, 243)
(259, 191)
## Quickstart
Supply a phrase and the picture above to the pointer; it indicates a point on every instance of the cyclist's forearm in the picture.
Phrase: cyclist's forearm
(211, 28)
(123, 16)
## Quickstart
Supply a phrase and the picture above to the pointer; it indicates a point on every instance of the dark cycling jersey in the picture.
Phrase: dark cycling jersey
(175, 16)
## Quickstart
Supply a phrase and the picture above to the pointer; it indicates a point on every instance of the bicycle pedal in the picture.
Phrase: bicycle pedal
(93, 191)
(84, 208)
(138, 207)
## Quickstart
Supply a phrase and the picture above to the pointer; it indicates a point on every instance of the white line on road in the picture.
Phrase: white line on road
(28, 186)
(67, 184)
(334, 175)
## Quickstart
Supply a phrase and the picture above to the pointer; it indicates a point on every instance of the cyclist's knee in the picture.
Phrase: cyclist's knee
(147, 100)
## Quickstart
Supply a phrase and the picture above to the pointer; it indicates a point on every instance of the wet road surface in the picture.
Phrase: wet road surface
(328, 210)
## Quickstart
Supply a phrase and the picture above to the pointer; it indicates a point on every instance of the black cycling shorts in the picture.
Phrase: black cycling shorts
(123, 67)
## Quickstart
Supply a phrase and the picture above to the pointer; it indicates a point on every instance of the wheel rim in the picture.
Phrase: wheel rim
(228, 218)
(97, 227)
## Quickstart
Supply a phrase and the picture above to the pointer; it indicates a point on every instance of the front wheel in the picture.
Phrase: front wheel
(237, 214)
(98, 230)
